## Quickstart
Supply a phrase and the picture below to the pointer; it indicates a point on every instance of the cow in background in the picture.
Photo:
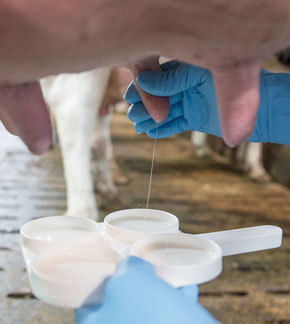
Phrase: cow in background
(247, 157)
(81, 104)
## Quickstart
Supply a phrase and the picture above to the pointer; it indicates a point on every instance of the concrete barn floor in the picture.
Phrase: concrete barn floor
(205, 195)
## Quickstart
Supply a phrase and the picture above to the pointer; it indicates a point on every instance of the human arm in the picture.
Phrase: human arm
(135, 295)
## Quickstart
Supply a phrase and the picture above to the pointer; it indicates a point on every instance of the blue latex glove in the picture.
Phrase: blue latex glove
(193, 103)
(134, 295)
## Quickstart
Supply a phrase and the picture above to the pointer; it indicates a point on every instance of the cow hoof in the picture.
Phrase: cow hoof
(202, 152)
(121, 180)
(105, 189)
(260, 178)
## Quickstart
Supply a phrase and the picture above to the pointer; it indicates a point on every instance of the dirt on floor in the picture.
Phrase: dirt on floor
(206, 196)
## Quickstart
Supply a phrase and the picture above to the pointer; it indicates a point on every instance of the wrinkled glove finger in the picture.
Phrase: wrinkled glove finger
(169, 65)
(131, 95)
(175, 112)
(171, 128)
(172, 82)
(176, 98)
(138, 113)
(190, 291)
(132, 263)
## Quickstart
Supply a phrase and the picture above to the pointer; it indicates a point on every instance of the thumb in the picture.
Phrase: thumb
(190, 292)
(237, 89)
(171, 82)
(133, 263)
(158, 108)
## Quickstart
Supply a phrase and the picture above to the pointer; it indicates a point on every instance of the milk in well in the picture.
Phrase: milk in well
(61, 234)
(144, 224)
(175, 255)
(76, 268)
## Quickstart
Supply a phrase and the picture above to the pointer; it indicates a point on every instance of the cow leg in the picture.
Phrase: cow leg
(74, 129)
(240, 156)
(102, 153)
(75, 120)
(199, 141)
(254, 162)
(120, 178)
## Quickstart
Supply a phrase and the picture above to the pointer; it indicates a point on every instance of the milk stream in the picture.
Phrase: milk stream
(151, 172)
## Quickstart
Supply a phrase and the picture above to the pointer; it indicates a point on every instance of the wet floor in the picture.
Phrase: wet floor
(206, 196)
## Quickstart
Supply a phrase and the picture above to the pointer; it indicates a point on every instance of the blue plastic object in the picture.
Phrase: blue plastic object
(135, 295)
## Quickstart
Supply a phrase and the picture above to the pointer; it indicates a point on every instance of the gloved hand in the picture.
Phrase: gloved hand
(193, 103)
(135, 295)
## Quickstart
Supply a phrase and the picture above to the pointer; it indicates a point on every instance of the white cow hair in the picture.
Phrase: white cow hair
(75, 100)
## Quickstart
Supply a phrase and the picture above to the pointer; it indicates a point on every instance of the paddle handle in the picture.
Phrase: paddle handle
(245, 240)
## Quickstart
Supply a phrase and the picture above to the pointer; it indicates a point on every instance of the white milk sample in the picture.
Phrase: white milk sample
(52, 235)
(144, 224)
(177, 256)
(76, 270)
